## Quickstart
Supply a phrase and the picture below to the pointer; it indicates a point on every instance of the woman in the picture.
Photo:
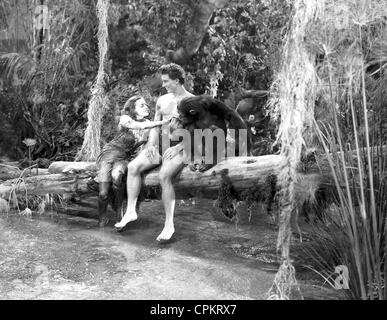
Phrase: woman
(113, 160)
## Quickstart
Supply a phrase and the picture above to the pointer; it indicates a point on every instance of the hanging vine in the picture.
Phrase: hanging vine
(293, 99)
(91, 143)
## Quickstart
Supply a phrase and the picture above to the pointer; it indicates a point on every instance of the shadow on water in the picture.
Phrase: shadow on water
(199, 232)
(237, 259)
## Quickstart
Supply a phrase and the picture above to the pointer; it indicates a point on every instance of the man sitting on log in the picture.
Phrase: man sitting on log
(113, 160)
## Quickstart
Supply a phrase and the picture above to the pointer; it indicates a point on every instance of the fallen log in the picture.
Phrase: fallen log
(11, 172)
(242, 172)
(71, 167)
(40, 185)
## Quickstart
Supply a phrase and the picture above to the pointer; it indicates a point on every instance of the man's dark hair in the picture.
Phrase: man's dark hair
(174, 71)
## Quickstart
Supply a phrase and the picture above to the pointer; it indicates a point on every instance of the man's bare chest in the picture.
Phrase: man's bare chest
(168, 108)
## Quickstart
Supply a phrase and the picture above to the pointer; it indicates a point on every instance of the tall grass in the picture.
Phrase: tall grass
(357, 160)
(358, 236)
(345, 49)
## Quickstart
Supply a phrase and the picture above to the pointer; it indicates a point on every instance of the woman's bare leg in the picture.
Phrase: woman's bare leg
(133, 185)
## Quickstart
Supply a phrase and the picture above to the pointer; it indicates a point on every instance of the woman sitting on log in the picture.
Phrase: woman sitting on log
(112, 162)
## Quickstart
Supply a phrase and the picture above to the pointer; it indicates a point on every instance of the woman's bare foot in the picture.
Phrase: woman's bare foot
(128, 217)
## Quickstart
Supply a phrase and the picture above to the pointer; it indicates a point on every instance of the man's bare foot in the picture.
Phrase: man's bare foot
(128, 217)
(166, 234)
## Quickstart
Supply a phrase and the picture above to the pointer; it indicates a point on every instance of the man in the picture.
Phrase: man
(172, 76)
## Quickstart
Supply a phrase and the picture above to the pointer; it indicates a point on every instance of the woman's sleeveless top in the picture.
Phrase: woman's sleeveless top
(124, 144)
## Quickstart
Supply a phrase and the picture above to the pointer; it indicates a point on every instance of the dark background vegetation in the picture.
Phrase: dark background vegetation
(46, 76)
(240, 51)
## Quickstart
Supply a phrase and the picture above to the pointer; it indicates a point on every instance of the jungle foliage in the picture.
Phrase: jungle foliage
(327, 85)
(343, 54)
(46, 81)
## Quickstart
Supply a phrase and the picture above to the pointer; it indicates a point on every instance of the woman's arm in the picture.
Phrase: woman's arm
(128, 122)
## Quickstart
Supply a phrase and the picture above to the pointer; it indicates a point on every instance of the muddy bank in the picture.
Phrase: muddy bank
(59, 256)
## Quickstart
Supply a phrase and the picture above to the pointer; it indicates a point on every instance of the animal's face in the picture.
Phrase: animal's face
(175, 123)
(188, 116)
(199, 113)
(204, 112)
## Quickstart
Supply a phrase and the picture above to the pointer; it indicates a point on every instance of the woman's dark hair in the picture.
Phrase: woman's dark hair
(174, 71)
(129, 106)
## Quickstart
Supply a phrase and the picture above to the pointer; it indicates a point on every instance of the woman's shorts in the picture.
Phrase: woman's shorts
(105, 169)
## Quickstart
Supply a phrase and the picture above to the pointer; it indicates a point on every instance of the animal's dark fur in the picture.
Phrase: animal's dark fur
(204, 112)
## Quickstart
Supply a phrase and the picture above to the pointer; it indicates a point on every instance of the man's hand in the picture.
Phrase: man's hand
(172, 152)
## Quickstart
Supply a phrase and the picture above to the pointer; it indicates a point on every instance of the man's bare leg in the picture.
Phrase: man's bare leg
(168, 171)
(133, 185)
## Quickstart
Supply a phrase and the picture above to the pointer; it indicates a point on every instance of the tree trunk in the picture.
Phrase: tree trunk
(243, 173)
(197, 30)
(71, 167)
(8, 172)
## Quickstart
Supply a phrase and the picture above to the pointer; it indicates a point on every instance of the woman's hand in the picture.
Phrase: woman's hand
(151, 151)
(175, 124)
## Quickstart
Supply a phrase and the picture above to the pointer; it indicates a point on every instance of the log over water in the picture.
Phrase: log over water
(12, 172)
(243, 173)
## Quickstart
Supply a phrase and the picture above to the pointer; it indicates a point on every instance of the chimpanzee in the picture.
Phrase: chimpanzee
(204, 112)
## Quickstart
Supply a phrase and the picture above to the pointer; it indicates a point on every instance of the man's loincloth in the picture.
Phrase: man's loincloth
(159, 149)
